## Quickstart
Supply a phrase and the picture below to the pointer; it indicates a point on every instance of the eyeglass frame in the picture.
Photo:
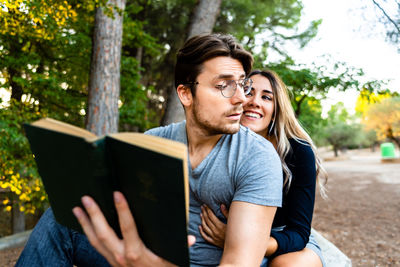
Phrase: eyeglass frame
(219, 87)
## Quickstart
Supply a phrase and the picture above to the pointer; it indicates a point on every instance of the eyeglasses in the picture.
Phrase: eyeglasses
(228, 87)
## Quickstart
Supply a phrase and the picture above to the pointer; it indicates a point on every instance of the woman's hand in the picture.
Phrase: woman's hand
(211, 228)
(130, 251)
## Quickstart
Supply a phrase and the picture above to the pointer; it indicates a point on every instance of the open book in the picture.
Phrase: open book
(150, 171)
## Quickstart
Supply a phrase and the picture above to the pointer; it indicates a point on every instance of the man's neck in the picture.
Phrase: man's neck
(200, 143)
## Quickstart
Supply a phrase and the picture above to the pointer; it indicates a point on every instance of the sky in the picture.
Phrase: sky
(351, 33)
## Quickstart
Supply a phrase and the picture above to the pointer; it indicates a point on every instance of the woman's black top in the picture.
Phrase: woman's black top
(298, 203)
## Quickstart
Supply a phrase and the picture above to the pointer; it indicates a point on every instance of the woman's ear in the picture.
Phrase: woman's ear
(185, 95)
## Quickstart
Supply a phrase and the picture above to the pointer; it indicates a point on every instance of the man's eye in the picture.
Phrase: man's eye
(221, 86)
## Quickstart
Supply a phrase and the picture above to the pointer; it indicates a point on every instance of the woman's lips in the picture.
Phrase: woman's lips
(252, 115)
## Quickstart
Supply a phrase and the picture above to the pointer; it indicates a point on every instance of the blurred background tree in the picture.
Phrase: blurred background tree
(384, 118)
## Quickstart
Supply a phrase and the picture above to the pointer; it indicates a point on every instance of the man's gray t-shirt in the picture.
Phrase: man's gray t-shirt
(241, 167)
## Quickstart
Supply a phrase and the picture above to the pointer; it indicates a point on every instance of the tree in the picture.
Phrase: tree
(317, 81)
(341, 131)
(265, 25)
(18, 173)
(203, 21)
(104, 87)
(311, 119)
(384, 118)
(243, 19)
(28, 64)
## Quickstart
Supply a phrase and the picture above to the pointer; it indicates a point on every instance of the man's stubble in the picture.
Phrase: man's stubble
(214, 128)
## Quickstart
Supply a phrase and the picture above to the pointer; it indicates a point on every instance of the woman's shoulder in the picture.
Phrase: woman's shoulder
(300, 150)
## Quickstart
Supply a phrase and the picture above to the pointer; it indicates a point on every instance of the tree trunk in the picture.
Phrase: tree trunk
(104, 84)
(14, 72)
(16, 89)
(335, 150)
(18, 219)
(203, 21)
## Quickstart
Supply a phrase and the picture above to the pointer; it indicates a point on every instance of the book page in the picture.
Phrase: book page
(62, 127)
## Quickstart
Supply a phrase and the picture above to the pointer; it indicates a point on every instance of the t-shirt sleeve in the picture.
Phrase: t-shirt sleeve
(298, 202)
(155, 131)
(260, 176)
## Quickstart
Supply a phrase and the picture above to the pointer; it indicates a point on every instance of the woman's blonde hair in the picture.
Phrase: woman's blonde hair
(284, 125)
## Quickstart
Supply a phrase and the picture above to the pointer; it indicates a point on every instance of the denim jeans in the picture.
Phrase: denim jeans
(52, 244)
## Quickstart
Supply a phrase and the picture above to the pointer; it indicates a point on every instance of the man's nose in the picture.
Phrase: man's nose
(239, 96)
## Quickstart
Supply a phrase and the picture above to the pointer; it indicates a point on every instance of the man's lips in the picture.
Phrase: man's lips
(235, 116)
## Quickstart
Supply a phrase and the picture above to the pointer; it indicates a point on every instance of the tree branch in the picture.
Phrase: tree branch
(387, 16)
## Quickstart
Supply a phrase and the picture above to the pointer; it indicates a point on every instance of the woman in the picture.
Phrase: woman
(268, 112)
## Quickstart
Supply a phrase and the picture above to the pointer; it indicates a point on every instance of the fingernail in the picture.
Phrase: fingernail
(86, 201)
(77, 212)
(117, 197)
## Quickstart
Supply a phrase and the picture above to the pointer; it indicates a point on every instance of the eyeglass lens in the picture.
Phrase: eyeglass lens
(231, 86)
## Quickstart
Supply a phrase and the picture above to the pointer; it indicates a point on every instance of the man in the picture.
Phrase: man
(228, 164)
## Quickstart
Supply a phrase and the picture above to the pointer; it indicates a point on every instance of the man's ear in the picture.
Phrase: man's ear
(185, 95)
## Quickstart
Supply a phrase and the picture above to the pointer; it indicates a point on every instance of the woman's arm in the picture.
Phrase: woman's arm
(298, 204)
(297, 210)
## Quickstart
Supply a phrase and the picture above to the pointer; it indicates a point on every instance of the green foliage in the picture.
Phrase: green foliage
(135, 115)
(269, 23)
(316, 81)
(47, 74)
(17, 166)
(342, 131)
(311, 119)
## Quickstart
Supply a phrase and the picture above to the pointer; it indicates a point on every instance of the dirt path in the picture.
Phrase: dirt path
(361, 216)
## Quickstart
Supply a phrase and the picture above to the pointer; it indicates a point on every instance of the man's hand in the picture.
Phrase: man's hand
(130, 251)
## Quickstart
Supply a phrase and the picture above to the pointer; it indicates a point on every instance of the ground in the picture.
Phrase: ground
(361, 216)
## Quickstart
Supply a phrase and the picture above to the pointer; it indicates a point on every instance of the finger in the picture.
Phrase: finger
(133, 243)
(206, 217)
(91, 235)
(217, 224)
(102, 229)
(191, 240)
(206, 236)
(205, 226)
(224, 211)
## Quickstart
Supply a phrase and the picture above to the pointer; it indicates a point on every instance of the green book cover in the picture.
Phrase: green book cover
(150, 171)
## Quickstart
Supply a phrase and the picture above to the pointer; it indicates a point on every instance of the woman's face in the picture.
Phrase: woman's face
(259, 106)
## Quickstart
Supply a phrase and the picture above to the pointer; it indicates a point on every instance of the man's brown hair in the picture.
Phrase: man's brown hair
(201, 48)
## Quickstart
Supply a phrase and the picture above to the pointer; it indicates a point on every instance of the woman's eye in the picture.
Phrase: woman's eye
(266, 97)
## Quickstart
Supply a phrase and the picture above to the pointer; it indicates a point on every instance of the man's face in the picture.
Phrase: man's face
(211, 111)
